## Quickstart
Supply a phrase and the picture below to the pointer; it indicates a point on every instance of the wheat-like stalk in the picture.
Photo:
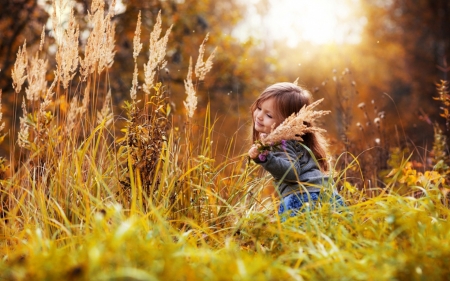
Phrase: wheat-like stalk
(20, 66)
(295, 126)
(37, 83)
(201, 67)
(99, 51)
(191, 99)
(72, 114)
(24, 132)
(106, 113)
(157, 50)
(67, 55)
(137, 47)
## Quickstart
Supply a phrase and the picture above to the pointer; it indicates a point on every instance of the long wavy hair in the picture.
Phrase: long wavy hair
(290, 98)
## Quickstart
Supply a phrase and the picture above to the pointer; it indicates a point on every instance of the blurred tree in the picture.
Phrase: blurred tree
(411, 40)
(20, 20)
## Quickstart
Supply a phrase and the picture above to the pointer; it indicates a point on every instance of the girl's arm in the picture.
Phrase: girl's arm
(287, 165)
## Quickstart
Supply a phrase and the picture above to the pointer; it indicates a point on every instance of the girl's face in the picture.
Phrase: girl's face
(265, 116)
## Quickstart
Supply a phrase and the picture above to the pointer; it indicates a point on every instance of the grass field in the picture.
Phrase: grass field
(87, 196)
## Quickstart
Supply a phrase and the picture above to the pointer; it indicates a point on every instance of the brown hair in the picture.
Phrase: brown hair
(290, 98)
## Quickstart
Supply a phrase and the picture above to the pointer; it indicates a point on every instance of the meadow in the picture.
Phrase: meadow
(88, 195)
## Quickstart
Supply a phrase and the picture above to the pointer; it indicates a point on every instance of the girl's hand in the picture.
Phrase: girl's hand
(253, 152)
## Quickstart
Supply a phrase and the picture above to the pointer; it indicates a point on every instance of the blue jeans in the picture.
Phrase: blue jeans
(295, 202)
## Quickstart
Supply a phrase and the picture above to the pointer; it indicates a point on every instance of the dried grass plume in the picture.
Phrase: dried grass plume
(191, 100)
(201, 67)
(20, 66)
(294, 127)
(157, 50)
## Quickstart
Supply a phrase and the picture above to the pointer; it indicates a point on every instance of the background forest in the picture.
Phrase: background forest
(401, 55)
(123, 153)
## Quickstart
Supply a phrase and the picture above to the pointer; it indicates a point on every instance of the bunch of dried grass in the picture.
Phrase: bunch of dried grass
(157, 50)
(295, 126)
(201, 69)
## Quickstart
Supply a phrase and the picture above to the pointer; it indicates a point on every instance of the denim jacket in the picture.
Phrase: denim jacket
(294, 169)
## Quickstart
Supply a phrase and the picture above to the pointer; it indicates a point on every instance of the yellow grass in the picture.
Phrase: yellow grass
(84, 202)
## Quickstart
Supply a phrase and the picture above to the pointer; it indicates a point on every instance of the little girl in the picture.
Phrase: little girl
(299, 173)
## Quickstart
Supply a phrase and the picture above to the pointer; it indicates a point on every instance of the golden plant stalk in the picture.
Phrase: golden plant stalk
(2, 124)
(157, 51)
(67, 55)
(36, 79)
(99, 51)
(191, 100)
(105, 114)
(24, 128)
(201, 67)
(18, 73)
(295, 126)
(137, 47)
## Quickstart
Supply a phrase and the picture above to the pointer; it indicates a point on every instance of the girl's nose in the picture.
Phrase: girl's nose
(259, 115)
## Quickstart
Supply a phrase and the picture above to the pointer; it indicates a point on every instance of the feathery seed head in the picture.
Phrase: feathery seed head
(134, 83)
(42, 38)
(137, 45)
(105, 114)
(191, 100)
(24, 128)
(36, 79)
(296, 126)
(201, 67)
(67, 55)
(19, 69)
(157, 51)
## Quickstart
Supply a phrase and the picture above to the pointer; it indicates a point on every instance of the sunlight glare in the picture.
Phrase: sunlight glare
(317, 21)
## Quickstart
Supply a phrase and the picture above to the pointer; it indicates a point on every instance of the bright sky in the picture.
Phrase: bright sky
(316, 21)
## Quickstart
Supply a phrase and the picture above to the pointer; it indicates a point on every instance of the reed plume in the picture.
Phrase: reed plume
(105, 114)
(157, 51)
(18, 73)
(36, 78)
(201, 67)
(191, 100)
(137, 47)
(296, 125)
(99, 51)
(67, 56)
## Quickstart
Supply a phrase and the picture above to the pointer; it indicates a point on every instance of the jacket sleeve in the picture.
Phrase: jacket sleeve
(284, 165)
